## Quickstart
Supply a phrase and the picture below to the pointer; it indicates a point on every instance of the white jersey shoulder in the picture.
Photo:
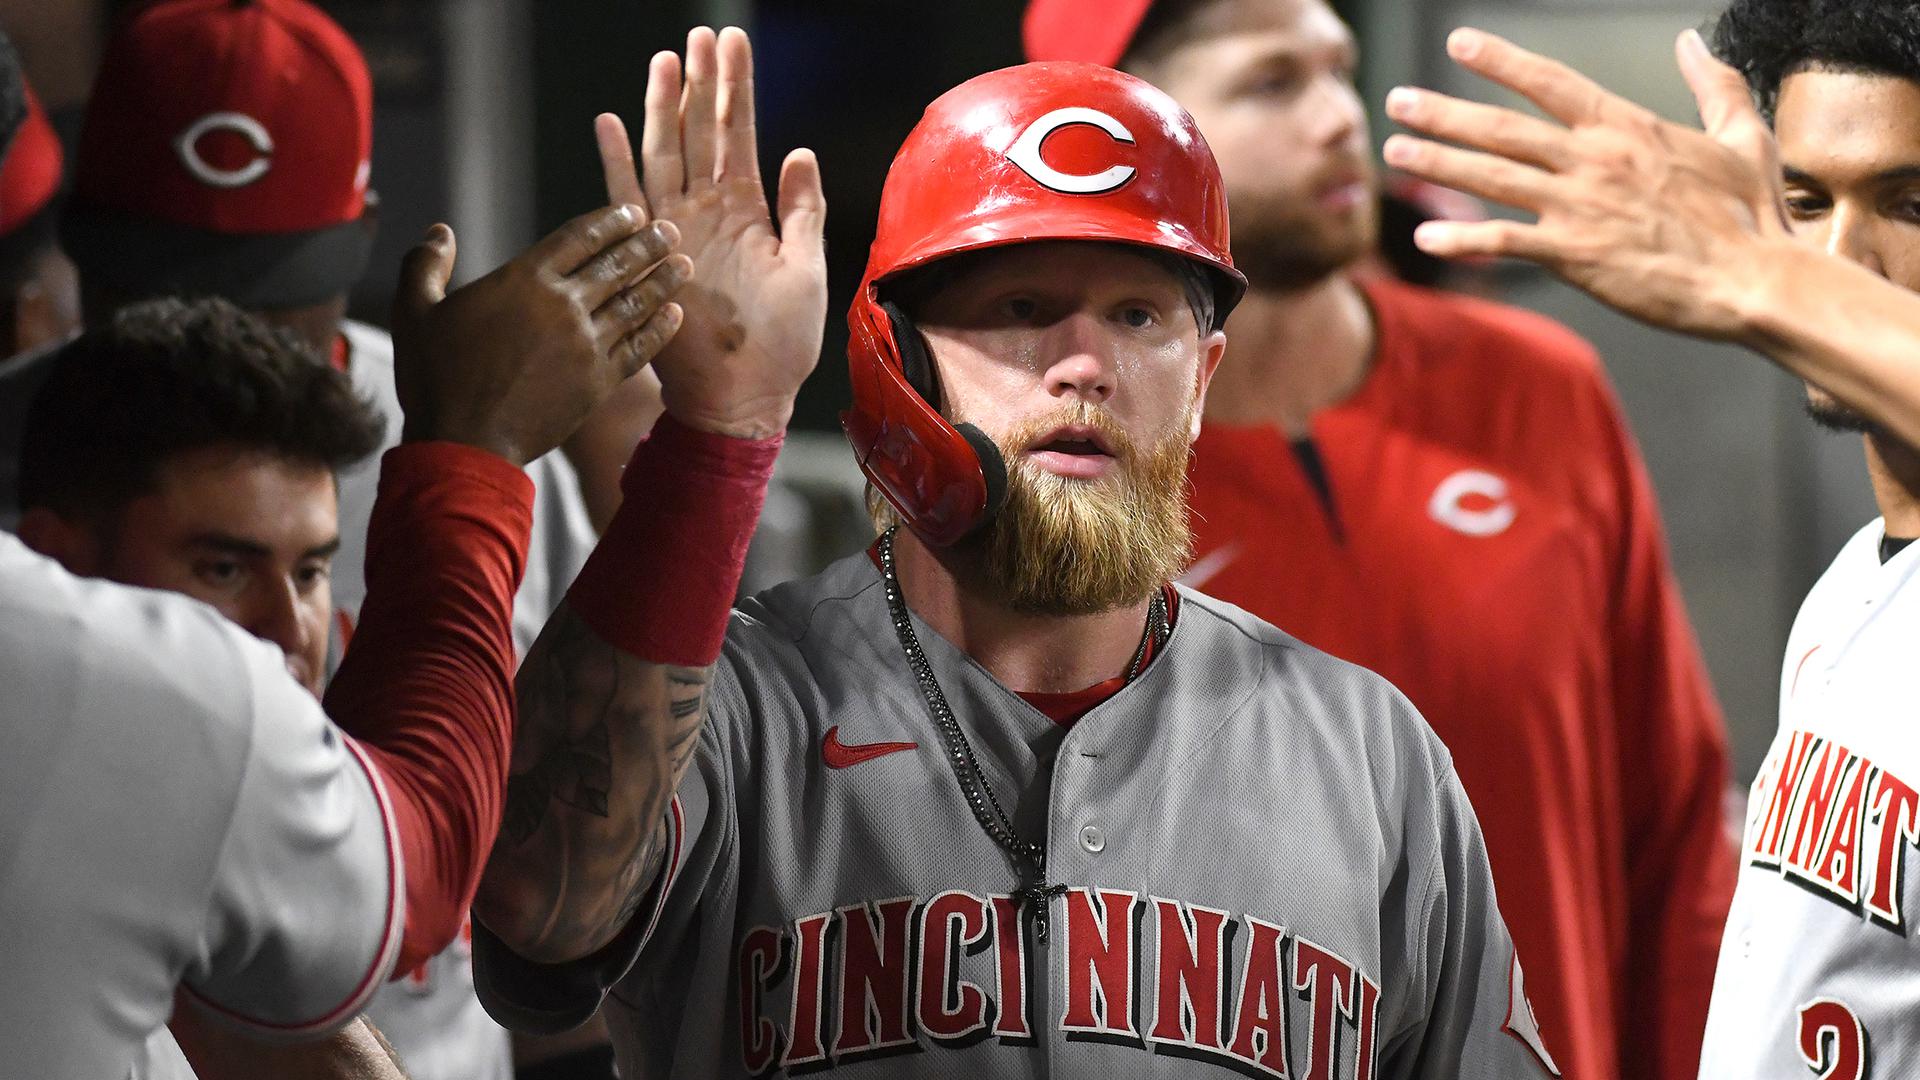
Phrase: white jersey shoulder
(174, 811)
(1820, 972)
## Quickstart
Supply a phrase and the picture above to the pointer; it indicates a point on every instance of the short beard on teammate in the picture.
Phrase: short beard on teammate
(1270, 83)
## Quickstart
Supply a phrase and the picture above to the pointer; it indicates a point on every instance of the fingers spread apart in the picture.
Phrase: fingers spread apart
(1505, 132)
(1563, 93)
(1485, 175)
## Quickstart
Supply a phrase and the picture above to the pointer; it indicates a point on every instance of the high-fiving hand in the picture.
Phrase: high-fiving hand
(756, 307)
(1651, 217)
(514, 361)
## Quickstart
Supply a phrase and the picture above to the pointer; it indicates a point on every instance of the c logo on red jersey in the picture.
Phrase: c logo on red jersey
(1025, 152)
(1490, 513)
(1832, 1041)
(188, 147)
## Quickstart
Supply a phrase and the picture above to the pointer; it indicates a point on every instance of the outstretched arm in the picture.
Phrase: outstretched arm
(614, 694)
(1679, 227)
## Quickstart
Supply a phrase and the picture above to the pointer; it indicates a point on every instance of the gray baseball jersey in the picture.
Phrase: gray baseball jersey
(1819, 972)
(174, 811)
(1270, 869)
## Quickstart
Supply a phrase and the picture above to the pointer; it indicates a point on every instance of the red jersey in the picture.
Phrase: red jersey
(1482, 532)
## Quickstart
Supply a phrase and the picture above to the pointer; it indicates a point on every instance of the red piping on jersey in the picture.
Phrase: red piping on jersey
(678, 830)
(383, 957)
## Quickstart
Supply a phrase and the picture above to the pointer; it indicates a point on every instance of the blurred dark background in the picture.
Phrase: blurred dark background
(483, 119)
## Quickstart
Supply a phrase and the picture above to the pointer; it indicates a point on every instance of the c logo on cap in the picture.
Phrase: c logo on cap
(1025, 152)
(188, 147)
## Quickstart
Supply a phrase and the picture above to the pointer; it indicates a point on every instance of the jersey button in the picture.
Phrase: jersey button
(1093, 839)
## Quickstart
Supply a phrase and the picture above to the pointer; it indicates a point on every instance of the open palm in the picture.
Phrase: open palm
(756, 307)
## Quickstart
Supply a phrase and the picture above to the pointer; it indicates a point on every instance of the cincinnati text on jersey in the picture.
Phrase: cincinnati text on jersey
(1837, 824)
(890, 977)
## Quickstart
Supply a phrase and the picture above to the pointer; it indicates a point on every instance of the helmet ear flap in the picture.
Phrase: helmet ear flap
(993, 467)
(916, 364)
(916, 360)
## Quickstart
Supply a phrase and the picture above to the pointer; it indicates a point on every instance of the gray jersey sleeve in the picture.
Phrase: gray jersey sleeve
(304, 914)
(1464, 1011)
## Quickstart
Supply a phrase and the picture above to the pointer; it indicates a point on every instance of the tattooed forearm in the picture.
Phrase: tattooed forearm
(602, 741)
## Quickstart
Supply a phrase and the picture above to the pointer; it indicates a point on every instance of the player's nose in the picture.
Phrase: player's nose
(1849, 234)
(1079, 358)
(276, 618)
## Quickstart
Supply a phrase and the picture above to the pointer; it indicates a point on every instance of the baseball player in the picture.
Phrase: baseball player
(991, 798)
(1444, 491)
(180, 814)
(1816, 974)
(225, 152)
(1680, 227)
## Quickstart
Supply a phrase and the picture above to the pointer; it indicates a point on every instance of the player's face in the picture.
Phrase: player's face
(1083, 362)
(1040, 330)
(1850, 149)
(1270, 83)
(251, 534)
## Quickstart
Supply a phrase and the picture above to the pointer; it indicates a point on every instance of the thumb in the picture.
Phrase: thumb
(803, 206)
(424, 274)
(1726, 105)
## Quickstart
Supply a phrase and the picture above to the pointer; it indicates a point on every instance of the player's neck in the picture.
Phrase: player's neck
(1027, 653)
(1895, 469)
(1291, 354)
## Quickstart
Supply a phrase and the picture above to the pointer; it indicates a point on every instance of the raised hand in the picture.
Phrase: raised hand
(513, 362)
(1649, 216)
(756, 307)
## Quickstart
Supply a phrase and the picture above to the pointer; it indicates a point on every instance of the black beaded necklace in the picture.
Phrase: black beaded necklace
(1029, 856)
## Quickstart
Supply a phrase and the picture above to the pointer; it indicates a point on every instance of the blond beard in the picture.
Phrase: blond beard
(1066, 546)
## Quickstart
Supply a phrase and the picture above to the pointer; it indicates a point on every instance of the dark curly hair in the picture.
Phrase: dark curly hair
(1768, 40)
(168, 376)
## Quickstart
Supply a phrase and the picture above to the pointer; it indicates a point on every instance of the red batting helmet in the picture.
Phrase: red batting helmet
(1055, 151)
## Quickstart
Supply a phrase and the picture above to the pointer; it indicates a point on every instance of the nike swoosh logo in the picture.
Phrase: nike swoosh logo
(1208, 566)
(839, 755)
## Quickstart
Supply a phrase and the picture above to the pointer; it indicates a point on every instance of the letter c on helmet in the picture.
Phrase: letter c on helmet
(1025, 152)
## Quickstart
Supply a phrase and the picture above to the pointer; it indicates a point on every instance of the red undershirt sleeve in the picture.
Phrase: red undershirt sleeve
(427, 686)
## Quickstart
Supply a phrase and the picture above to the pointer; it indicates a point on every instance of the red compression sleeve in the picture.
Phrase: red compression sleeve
(427, 687)
(661, 581)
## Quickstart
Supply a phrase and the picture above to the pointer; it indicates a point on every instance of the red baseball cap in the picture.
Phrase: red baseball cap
(30, 173)
(1091, 31)
(225, 151)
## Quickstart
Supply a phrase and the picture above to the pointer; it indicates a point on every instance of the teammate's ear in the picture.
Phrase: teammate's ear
(1212, 348)
(69, 543)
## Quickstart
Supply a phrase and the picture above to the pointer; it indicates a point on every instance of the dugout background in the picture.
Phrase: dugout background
(483, 119)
